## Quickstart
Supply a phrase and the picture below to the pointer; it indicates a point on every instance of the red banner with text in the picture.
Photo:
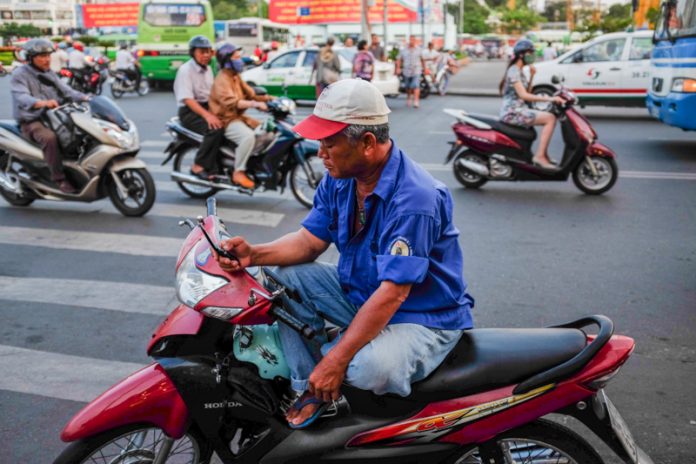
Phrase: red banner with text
(109, 14)
(339, 11)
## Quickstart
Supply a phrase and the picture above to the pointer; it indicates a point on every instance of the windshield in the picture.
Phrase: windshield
(166, 15)
(105, 109)
(678, 19)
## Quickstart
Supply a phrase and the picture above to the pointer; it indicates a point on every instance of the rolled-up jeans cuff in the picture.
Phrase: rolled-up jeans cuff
(299, 385)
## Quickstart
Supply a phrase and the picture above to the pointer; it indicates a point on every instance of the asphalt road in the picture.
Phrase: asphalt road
(81, 287)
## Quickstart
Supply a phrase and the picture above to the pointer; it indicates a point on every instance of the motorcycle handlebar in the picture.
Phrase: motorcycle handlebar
(283, 316)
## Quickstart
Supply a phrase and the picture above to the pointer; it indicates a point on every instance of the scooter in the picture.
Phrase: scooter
(121, 83)
(99, 145)
(91, 78)
(489, 150)
(280, 156)
(220, 383)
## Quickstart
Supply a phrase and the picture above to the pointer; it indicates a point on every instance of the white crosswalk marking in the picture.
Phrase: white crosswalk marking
(112, 296)
(130, 244)
(59, 376)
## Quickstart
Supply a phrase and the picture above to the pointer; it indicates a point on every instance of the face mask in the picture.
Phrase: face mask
(529, 59)
(237, 65)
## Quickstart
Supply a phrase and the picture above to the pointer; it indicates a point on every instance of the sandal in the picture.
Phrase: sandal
(202, 174)
(300, 403)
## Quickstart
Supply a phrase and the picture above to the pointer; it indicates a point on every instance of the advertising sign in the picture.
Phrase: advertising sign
(340, 11)
(108, 14)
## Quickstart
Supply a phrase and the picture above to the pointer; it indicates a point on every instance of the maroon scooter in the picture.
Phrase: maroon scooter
(487, 149)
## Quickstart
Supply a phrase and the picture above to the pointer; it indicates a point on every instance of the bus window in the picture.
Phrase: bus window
(286, 60)
(162, 14)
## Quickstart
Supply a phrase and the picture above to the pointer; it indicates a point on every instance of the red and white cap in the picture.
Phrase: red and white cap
(346, 102)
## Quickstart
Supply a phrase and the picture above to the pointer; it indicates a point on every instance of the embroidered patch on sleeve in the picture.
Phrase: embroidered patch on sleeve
(400, 247)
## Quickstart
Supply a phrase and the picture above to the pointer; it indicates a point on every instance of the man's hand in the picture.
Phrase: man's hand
(46, 104)
(261, 106)
(325, 381)
(238, 247)
(213, 121)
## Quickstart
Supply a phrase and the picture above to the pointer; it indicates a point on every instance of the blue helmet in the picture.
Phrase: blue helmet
(224, 55)
(523, 46)
(199, 41)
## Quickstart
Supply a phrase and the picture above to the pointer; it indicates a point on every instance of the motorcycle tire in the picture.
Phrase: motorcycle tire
(144, 88)
(467, 178)
(585, 181)
(299, 180)
(12, 198)
(539, 442)
(182, 163)
(116, 90)
(141, 190)
(424, 88)
(80, 451)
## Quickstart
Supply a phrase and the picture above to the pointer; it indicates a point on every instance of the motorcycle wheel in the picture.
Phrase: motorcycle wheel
(424, 88)
(144, 88)
(539, 442)
(12, 198)
(607, 172)
(135, 444)
(141, 192)
(182, 163)
(116, 90)
(300, 176)
(467, 178)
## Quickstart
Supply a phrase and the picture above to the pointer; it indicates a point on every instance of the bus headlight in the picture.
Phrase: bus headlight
(684, 85)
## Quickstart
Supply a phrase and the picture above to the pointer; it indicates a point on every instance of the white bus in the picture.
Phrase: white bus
(250, 32)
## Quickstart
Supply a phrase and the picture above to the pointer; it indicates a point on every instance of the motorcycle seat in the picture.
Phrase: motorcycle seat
(12, 126)
(485, 359)
(175, 125)
(516, 132)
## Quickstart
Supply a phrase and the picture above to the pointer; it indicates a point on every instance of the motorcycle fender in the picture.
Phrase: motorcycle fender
(600, 415)
(127, 162)
(172, 149)
(456, 149)
(598, 149)
(147, 396)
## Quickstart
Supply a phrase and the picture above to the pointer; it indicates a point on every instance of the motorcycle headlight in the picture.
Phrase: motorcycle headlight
(684, 85)
(124, 139)
(288, 105)
(192, 284)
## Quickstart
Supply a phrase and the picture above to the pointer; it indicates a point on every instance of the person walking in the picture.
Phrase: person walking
(364, 63)
(377, 49)
(327, 66)
(410, 66)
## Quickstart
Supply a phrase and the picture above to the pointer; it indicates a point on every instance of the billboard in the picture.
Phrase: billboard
(340, 11)
(107, 15)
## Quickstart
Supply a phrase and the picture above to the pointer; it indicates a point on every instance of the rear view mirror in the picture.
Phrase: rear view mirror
(260, 91)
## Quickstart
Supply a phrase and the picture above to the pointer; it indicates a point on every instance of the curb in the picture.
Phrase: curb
(463, 92)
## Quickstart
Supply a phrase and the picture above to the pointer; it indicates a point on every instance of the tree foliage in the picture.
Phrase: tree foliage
(519, 20)
(235, 9)
(475, 17)
(617, 18)
(10, 31)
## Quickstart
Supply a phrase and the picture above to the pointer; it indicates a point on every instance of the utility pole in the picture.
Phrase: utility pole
(385, 20)
(569, 15)
(422, 15)
(461, 16)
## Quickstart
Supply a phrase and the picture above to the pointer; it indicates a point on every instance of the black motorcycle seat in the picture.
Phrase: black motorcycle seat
(516, 132)
(485, 359)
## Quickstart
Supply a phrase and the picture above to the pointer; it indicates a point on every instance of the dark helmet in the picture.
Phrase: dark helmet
(224, 55)
(523, 46)
(199, 41)
(37, 47)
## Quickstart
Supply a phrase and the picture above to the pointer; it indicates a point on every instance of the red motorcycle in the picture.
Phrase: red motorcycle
(90, 79)
(489, 150)
(220, 384)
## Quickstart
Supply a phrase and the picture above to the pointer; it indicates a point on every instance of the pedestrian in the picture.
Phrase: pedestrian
(274, 51)
(363, 62)
(348, 43)
(192, 85)
(431, 59)
(397, 293)
(377, 49)
(549, 52)
(327, 66)
(410, 66)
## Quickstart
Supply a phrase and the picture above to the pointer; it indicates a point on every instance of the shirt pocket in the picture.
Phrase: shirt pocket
(372, 279)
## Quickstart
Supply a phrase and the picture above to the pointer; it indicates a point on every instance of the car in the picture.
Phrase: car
(290, 73)
(612, 70)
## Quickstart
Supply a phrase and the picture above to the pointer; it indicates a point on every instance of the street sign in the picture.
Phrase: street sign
(303, 11)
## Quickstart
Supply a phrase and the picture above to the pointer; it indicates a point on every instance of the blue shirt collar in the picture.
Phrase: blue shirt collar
(387, 181)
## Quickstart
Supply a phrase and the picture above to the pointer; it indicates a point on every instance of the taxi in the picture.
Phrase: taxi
(612, 70)
(291, 72)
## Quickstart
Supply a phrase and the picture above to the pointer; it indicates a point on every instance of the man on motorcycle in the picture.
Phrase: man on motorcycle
(126, 62)
(229, 99)
(397, 293)
(31, 97)
(192, 85)
(76, 61)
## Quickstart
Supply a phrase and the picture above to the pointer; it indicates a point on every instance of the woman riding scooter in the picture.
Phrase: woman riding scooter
(516, 94)
(230, 97)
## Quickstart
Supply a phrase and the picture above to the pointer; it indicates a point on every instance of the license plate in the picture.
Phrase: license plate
(621, 430)
(176, 63)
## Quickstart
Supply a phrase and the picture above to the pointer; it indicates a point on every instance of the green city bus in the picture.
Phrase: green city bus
(164, 29)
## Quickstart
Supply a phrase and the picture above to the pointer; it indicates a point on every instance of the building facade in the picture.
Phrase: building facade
(51, 16)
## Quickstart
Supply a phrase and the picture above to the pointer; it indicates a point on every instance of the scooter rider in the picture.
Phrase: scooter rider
(192, 86)
(229, 99)
(30, 97)
(126, 62)
(397, 292)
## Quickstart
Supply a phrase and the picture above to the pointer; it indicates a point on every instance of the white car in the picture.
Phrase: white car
(613, 69)
(291, 72)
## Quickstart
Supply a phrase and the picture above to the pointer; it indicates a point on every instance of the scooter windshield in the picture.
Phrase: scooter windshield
(103, 108)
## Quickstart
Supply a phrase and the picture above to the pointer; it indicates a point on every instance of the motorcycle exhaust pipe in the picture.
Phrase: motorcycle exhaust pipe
(476, 168)
(189, 179)
(7, 184)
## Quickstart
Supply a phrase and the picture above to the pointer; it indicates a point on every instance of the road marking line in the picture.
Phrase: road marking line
(129, 244)
(112, 296)
(60, 376)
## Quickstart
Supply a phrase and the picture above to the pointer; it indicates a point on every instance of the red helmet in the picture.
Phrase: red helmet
(79, 46)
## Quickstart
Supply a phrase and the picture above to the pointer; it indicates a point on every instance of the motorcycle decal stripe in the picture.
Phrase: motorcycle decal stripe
(639, 91)
(429, 428)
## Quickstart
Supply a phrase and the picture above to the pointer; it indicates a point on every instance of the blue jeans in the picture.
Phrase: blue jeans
(400, 355)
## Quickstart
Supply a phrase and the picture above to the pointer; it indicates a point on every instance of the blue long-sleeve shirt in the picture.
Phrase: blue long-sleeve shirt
(27, 89)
